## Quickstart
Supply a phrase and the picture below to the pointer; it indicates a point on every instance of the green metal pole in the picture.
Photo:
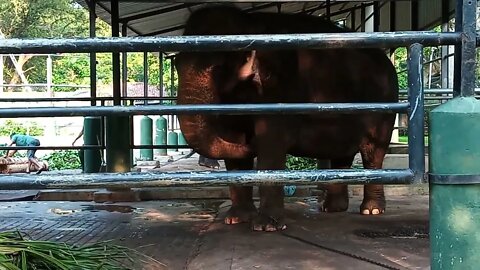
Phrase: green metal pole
(172, 140)
(146, 137)
(455, 162)
(161, 135)
(91, 136)
(455, 184)
(117, 143)
(181, 139)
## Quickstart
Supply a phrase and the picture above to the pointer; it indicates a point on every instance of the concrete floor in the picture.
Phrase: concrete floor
(190, 234)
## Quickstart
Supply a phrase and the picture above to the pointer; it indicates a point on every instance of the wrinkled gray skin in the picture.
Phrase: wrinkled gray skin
(287, 76)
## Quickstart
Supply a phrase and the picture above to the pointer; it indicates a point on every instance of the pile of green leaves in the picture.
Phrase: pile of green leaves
(63, 160)
(18, 253)
(301, 163)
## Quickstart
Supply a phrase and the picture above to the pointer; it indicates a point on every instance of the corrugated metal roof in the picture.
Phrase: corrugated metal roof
(149, 17)
(171, 17)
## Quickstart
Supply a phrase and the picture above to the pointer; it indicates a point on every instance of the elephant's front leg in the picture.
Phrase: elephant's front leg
(243, 209)
(271, 213)
(271, 155)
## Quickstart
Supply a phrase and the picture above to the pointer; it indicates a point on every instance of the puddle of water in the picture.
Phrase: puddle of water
(110, 208)
(63, 212)
(96, 208)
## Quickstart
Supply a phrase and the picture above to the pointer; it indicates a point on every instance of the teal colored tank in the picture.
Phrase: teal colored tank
(161, 135)
(146, 137)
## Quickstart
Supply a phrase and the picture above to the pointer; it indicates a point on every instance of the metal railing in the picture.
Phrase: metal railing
(414, 106)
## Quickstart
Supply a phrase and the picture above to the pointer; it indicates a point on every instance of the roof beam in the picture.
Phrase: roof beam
(160, 11)
(110, 12)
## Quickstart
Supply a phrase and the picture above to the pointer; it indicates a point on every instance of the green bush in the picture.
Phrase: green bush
(29, 128)
(63, 160)
(301, 163)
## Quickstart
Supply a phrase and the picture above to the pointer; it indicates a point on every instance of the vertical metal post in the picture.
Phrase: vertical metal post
(49, 76)
(172, 75)
(376, 17)
(416, 143)
(92, 133)
(457, 70)
(146, 123)
(363, 17)
(469, 44)
(115, 56)
(160, 74)
(145, 77)
(93, 56)
(92, 126)
(393, 20)
(118, 129)
(328, 12)
(445, 51)
(124, 66)
(414, 15)
(393, 16)
(172, 82)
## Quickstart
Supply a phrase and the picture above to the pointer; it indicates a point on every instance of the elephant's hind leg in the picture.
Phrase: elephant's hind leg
(242, 209)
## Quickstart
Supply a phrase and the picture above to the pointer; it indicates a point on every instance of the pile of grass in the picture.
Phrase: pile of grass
(19, 253)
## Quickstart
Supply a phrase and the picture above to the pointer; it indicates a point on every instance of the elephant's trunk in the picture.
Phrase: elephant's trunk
(204, 133)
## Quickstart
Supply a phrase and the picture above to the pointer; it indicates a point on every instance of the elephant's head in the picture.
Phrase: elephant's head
(215, 78)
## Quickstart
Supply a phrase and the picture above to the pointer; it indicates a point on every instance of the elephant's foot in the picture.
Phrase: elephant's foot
(336, 200)
(209, 163)
(373, 200)
(240, 214)
(372, 206)
(270, 220)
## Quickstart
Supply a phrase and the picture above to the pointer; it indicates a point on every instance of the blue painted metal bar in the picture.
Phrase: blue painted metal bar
(231, 109)
(416, 142)
(229, 42)
(468, 60)
(206, 178)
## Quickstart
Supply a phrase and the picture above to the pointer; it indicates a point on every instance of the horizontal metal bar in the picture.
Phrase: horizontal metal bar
(197, 179)
(53, 99)
(51, 147)
(167, 146)
(61, 99)
(229, 42)
(436, 91)
(44, 85)
(231, 109)
(454, 179)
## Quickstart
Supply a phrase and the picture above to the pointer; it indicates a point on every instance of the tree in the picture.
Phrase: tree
(34, 19)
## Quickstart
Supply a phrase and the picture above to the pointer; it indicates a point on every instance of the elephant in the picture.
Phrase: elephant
(285, 76)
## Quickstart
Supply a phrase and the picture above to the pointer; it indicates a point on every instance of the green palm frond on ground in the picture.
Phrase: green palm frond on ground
(19, 253)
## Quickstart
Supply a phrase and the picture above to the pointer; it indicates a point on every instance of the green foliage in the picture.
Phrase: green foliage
(63, 19)
(400, 60)
(300, 163)
(63, 160)
(28, 128)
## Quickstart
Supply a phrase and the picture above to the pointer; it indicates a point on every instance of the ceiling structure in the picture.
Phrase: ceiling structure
(158, 18)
